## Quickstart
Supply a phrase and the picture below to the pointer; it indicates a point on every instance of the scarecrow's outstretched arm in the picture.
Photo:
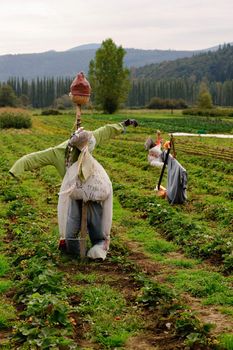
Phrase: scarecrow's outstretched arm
(56, 155)
(108, 131)
(33, 161)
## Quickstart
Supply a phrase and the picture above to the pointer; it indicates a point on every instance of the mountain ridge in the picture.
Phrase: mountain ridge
(211, 65)
(67, 63)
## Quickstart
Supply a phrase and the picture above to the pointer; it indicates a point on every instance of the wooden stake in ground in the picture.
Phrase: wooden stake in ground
(169, 145)
(80, 91)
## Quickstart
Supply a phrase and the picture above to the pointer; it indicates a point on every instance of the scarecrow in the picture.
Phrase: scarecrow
(159, 156)
(85, 186)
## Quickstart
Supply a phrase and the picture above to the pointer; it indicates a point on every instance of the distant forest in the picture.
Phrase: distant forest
(179, 79)
(142, 90)
(43, 92)
(212, 66)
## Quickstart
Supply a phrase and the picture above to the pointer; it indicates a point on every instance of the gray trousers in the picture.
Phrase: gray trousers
(73, 226)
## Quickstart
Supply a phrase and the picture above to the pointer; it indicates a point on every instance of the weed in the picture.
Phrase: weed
(184, 263)
(226, 341)
(196, 334)
(106, 310)
(5, 285)
(210, 285)
(4, 266)
(7, 314)
(159, 246)
(153, 293)
(90, 278)
(226, 311)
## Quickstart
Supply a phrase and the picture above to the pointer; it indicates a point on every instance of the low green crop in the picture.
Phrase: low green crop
(7, 314)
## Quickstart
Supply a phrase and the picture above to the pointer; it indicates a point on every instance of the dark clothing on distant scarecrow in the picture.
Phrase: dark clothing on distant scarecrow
(176, 180)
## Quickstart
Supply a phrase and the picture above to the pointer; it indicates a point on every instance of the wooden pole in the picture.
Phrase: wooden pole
(173, 146)
(78, 116)
(83, 233)
(163, 168)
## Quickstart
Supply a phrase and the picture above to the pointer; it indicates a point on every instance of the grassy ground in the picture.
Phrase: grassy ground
(168, 275)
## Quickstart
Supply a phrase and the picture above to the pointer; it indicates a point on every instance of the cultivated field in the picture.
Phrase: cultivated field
(167, 281)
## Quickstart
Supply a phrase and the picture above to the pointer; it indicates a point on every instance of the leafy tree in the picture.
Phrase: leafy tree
(63, 102)
(7, 96)
(24, 100)
(204, 98)
(108, 78)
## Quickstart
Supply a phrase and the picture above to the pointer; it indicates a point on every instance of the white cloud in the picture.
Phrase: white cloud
(40, 25)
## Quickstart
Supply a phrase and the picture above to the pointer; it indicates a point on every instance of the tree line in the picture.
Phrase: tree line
(143, 90)
(40, 93)
(114, 86)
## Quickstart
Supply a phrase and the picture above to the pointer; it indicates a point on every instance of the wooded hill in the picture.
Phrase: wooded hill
(179, 79)
(214, 66)
(68, 63)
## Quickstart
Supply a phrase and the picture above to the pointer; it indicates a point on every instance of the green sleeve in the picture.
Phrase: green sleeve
(52, 156)
(56, 155)
(106, 132)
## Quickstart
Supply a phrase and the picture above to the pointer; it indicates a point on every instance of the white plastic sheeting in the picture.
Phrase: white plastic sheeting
(223, 136)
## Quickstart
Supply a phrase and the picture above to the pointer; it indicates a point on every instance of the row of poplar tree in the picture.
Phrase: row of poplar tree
(41, 93)
(142, 91)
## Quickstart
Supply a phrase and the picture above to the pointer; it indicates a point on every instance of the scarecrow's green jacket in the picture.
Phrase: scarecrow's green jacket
(56, 155)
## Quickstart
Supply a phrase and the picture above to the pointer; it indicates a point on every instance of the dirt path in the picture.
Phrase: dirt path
(156, 333)
(159, 272)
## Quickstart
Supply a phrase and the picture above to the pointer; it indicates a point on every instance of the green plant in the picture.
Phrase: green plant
(160, 246)
(90, 278)
(47, 323)
(195, 334)
(209, 285)
(185, 263)
(15, 118)
(7, 314)
(7, 96)
(4, 265)
(5, 285)
(226, 341)
(50, 111)
(153, 293)
(107, 311)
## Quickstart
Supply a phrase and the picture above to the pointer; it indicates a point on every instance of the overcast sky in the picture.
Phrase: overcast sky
(40, 25)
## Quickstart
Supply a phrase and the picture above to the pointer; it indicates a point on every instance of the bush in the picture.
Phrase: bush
(7, 96)
(160, 103)
(215, 112)
(50, 111)
(14, 118)
(63, 102)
